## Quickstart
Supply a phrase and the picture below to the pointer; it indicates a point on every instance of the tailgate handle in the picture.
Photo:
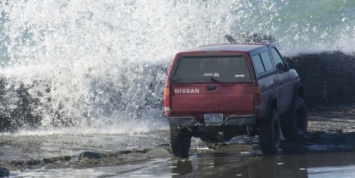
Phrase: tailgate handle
(211, 88)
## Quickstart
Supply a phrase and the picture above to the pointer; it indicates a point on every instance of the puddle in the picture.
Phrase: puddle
(343, 171)
(319, 155)
(310, 165)
(219, 165)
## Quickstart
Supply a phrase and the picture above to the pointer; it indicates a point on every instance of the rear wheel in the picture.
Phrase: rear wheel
(294, 125)
(269, 133)
(180, 140)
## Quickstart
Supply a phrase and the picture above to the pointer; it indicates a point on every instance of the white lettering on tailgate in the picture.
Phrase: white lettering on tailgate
(211, 74)
(186, 90)
(239, 75)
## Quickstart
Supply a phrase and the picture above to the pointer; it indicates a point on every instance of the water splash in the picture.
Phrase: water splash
(103, 63)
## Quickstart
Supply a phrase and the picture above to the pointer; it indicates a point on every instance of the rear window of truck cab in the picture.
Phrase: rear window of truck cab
(211, 69)
(262, 63)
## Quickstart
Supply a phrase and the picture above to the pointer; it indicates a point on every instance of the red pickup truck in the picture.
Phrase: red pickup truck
(216, 92)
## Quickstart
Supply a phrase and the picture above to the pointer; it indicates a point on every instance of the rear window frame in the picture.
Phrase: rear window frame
(178, 60)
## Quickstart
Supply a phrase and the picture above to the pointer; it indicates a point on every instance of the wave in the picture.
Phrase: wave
(78, 63)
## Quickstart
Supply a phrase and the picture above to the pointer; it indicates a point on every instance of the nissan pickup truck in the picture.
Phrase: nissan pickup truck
(216, 92)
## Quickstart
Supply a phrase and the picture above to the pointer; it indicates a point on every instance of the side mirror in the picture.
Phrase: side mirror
(281, 68)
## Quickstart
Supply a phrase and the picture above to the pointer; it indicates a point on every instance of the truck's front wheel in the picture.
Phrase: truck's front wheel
(269, 133)
(294, 124)
(180, 140)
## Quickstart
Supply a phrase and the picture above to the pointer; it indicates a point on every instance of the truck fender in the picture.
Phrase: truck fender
(297, 91)
(269, 107)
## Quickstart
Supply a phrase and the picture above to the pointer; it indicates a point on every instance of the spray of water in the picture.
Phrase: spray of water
(99, 64)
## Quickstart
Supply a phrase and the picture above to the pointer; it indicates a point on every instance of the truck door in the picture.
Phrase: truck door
(286, 86)
(267, 77)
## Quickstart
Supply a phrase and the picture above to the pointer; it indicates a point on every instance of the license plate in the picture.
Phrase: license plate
(213, 118)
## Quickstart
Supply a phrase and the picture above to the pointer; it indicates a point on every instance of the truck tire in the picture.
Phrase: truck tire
(180, 141)
(269, 133)
(294, 124)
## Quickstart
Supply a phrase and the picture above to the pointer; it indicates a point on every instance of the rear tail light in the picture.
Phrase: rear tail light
(167, 100)
(257, 104)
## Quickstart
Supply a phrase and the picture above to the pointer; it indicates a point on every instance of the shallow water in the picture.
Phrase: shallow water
(28, 147)
(322, 154)
(220, 165)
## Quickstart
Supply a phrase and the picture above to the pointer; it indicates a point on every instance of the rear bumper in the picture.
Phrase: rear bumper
(182, 122)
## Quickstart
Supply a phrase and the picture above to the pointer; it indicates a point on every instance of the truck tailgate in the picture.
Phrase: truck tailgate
(212, 98)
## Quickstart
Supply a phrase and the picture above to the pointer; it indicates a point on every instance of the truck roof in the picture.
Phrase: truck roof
(247, 47)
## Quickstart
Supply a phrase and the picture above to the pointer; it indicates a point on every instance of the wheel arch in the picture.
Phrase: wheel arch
(272, 104)
(299, 91)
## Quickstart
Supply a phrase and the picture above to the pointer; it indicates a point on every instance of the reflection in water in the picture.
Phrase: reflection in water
(181, 168)
(298, 166)
(273, 167)
(341, 164)
(346, 171)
